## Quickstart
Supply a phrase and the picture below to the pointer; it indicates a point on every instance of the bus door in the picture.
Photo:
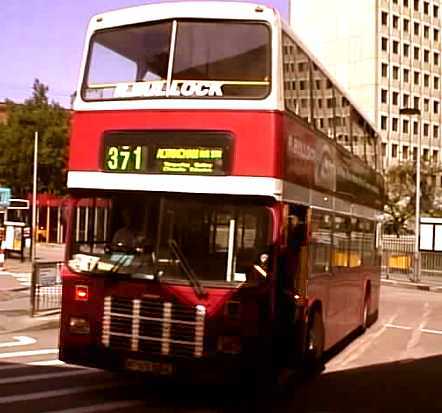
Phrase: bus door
(292, 276)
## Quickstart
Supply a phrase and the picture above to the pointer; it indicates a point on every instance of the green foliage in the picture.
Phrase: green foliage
(400, 203)
(17, 143)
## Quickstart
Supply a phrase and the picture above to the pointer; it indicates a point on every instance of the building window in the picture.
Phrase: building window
(435, 157)
(415, 128)
(436, 35)
(384, 18)
(394, 150)
(406, 75)
(426, 32)
(384, 70)
(384, 96)
(406, 100)
(406, 50)
(395, 98)
(383, 122)
(416, 5)
(436, 58)
(425, 154)
(426, 105)
(395, 47)
(416, 28)
(436, 82)
(426, 80)
(384, 44)
(435, 131)
(395, 22)
(405, 3)
(416, 102)
(436, 11)
(394, 124)
(384, 149)
(414, 153)
(426, 56)
(426, 129)
(405, 124)
(416, 78)
(416, 53)
(405, 153)
(435, 107)
(426, 8)
(395, 72)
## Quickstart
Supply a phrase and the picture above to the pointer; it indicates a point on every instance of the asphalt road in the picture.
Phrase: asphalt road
(395, 366)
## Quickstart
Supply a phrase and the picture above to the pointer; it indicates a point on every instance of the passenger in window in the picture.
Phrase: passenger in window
(128, 236)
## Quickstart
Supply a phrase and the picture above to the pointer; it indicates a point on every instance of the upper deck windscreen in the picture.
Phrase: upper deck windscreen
(180, 59)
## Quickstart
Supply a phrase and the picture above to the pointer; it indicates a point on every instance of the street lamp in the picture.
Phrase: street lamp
(416, 112)
(34, 200)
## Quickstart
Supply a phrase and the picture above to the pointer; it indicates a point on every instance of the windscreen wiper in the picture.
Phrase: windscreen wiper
(190, 274)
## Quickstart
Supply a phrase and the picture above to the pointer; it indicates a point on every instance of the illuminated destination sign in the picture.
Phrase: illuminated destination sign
(150, 156)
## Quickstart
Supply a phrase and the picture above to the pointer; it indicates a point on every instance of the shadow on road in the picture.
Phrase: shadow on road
(406, 386)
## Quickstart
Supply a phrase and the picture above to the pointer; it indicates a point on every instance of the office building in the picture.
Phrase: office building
(387, 54)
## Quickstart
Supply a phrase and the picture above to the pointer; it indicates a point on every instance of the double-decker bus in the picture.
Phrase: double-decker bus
(225, 197)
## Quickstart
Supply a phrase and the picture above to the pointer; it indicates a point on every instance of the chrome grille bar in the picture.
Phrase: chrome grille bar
(167, 319)
(105, 339)
(135, 324)
(153, 326)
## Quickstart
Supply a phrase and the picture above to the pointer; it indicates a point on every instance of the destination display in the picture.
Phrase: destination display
(144, 154)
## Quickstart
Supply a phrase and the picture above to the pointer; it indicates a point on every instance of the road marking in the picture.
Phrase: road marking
(365, 342)
(102, 407)
(54, 362)
(426, 330)
(56, 393)
(45, 376)
(28, 353)
(397, 326)
(19, 341)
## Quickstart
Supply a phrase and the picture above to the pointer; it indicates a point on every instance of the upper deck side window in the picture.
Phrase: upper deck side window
(312, 96)
(180, 59)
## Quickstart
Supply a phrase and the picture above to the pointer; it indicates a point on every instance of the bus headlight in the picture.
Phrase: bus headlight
(79, 325)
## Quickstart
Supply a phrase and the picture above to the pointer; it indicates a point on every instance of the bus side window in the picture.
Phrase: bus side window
(320, 246)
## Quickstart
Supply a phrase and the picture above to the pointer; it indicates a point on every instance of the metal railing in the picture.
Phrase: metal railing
(46, 287)
(398, 261)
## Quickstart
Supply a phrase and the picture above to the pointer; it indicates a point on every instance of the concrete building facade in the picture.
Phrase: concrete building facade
(387, 54)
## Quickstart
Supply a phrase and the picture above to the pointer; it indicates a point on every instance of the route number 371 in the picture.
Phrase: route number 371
(124, 158)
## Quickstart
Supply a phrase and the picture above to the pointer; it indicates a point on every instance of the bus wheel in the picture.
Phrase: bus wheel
(315, 340)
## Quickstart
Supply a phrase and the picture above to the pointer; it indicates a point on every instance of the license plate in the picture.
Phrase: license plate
(145, 366)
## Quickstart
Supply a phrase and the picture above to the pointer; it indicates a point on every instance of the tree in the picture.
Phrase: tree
(400, 189)
(17, 143)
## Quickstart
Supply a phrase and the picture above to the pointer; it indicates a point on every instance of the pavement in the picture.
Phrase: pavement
(15, 292)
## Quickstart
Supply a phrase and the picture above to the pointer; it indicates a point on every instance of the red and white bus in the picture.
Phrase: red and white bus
(247, 186)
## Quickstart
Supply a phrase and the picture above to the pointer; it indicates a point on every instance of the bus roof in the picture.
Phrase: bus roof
(183, 9)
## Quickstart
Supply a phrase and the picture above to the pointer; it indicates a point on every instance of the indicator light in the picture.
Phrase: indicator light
(81, 293)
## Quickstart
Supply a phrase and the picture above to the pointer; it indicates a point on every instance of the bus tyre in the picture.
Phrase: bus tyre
(315, 340)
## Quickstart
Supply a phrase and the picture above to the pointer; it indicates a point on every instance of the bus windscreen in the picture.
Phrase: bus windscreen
(210, 59)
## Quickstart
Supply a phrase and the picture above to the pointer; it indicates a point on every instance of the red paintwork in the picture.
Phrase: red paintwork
(257, 135)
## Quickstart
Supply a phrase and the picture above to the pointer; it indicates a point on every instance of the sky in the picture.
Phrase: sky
(44, 39)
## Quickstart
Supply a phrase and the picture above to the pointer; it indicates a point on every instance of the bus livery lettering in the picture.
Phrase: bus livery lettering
(177, 88)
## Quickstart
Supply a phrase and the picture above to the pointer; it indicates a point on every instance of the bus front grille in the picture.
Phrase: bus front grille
(154, 327)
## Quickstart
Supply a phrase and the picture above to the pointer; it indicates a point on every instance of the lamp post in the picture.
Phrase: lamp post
(416, 112)
(34, 200)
